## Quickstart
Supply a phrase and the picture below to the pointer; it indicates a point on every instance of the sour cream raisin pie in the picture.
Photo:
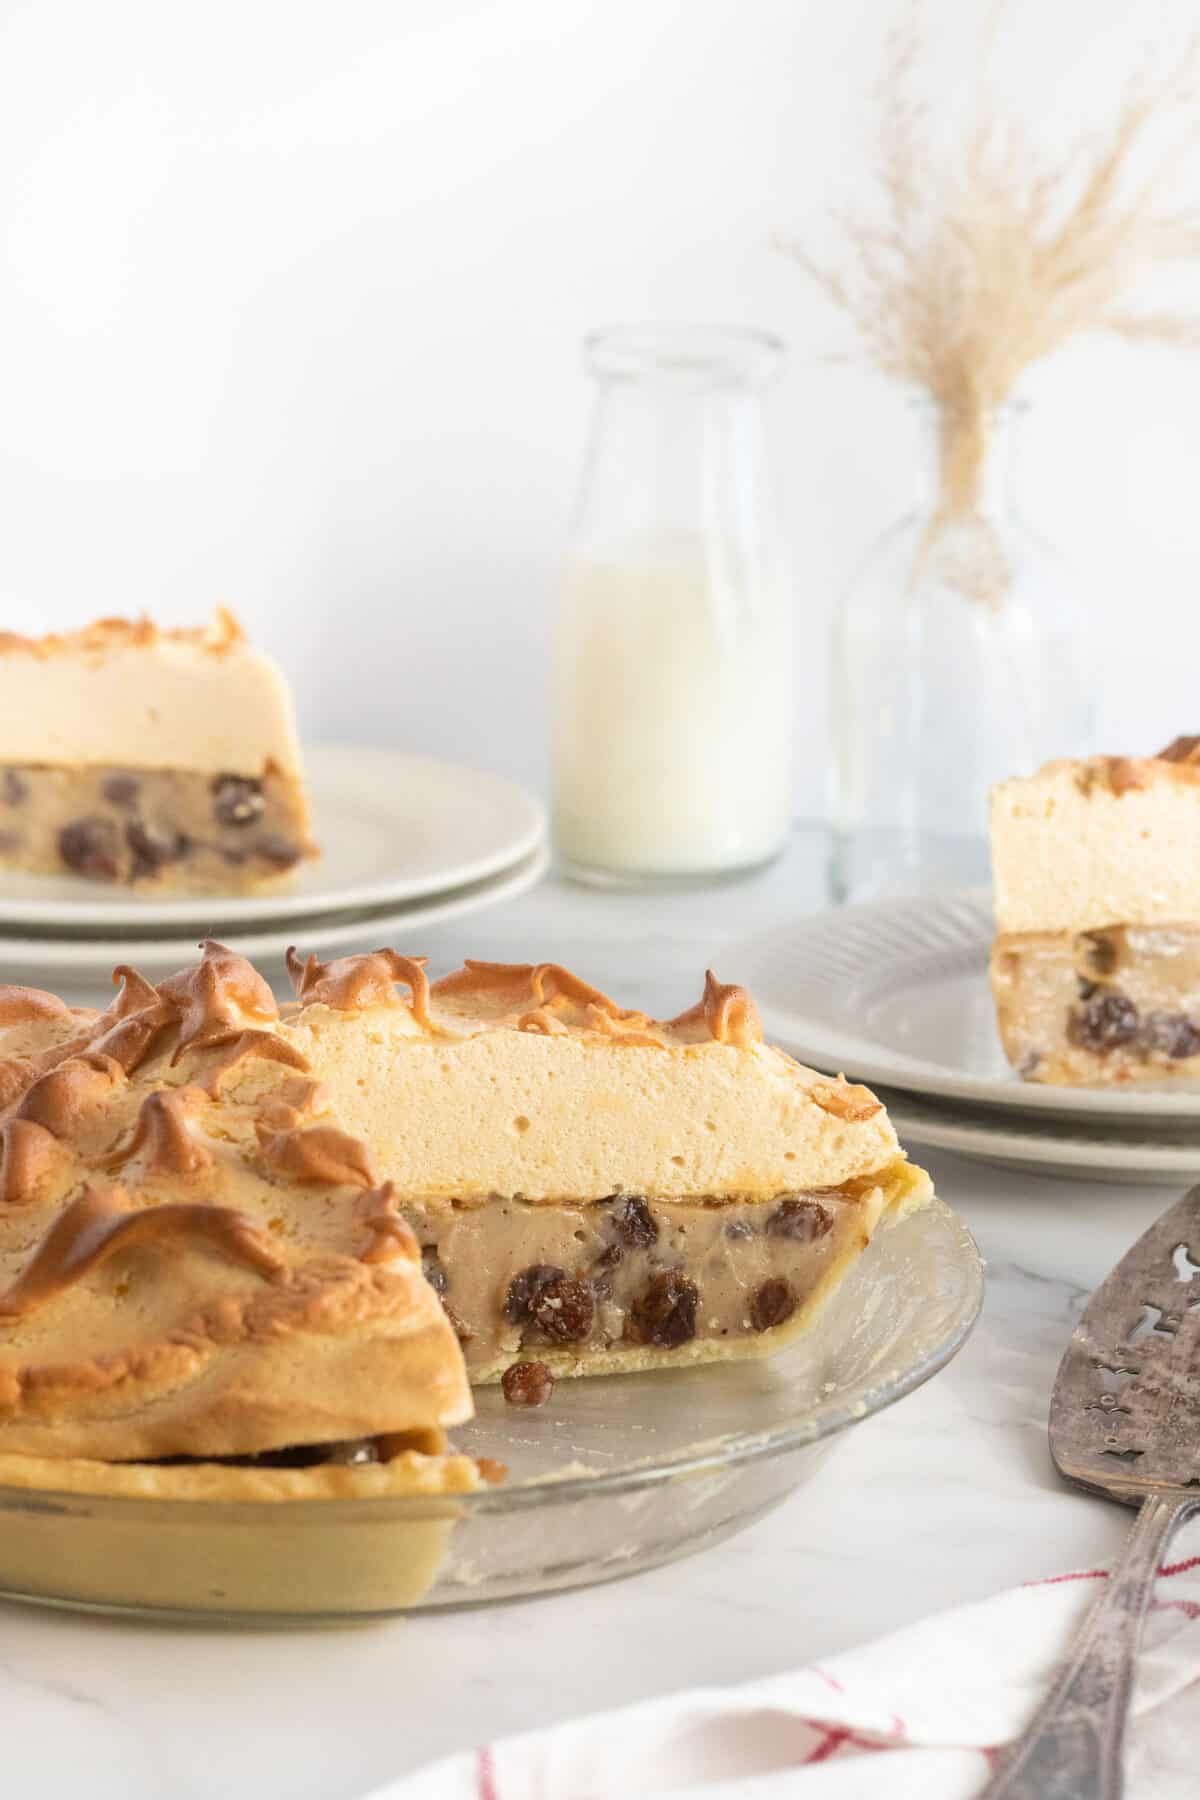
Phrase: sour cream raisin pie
(163, 759)
(240, 1248)
(593, 1189)
(1096, 962)
(207, 1288)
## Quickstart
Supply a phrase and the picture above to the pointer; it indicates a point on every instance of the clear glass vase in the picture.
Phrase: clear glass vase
(672, 704)
(959, 660)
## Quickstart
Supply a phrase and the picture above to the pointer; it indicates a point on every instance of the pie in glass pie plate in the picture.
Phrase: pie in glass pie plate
(271, 1280)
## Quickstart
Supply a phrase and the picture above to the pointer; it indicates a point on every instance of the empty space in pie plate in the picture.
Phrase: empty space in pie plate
(391, 826)
(897, 992)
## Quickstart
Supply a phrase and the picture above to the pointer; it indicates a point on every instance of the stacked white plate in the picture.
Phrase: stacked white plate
(407, 841)
(896, 994)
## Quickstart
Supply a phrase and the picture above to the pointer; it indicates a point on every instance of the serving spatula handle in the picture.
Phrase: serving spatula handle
(1071, 1749)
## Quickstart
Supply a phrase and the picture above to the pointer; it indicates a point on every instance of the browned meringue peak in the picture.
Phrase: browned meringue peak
(30, 1156)
(1181, 750)
(353, 983)
(284, 1107)
(392, 1237)
(219, 1061)
(18, 1005)
(315, 1153)
(99, 1222)
(218, 998)
(163, 1141)
(726, 1014)
(134, 1025)
(68, 1100)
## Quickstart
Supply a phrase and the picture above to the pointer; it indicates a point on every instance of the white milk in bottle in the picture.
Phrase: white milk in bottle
(672, 706)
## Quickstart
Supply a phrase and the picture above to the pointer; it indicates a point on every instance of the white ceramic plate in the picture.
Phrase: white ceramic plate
(1049, 1146)
(393, 827)
(361, 926)
(897, 992)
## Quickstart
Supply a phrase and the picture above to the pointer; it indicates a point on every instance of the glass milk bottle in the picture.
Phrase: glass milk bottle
(672, 709)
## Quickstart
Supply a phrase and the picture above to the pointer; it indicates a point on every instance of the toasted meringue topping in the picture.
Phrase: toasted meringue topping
(316, 1153)
(729, 1014)
(14, 1079)
(29, 1156)
(548, 999)
(1181, 750)
(162, 1138)
(18, 1004)
(132, 1041)
(98, 1223)
(66, 1099)
(353, 983)
(846, 1100)
(218, 998)
(499, 991)
(292, 1102)
(134, 995)
(391, 1236)
(220, 635)
(237, 1050)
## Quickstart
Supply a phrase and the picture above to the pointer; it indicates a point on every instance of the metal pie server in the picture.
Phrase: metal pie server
(1124, 1422)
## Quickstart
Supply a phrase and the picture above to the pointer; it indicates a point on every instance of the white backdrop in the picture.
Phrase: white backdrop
(291, 298)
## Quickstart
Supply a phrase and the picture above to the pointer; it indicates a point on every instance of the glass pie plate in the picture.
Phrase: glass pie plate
(614, 1475)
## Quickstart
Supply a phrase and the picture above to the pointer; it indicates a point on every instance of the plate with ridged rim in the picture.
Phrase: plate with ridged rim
(1133, 1154)
(392, 826)
(897, 992)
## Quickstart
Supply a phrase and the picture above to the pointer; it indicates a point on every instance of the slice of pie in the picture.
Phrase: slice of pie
(1096, 963)
(594, 1189)
(156, 758)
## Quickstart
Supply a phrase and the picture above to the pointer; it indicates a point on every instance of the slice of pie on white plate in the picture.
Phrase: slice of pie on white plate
(150, 758)
(1095, 967)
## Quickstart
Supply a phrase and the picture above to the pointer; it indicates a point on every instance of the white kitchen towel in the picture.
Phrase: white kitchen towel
(919, 1715)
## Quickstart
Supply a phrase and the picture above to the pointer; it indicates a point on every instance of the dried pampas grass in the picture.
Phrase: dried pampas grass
(980, 264)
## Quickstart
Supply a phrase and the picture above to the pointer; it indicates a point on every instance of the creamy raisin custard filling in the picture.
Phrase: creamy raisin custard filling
(153, 827)
(1114, 1005)
(568, 1283)
(136, 756)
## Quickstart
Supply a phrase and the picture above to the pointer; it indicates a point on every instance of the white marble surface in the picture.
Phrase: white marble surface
(943, 1499)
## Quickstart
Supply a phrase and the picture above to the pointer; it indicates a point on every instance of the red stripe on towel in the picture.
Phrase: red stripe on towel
(1180, 1568)
(1075, 1575)
(485, 1776)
